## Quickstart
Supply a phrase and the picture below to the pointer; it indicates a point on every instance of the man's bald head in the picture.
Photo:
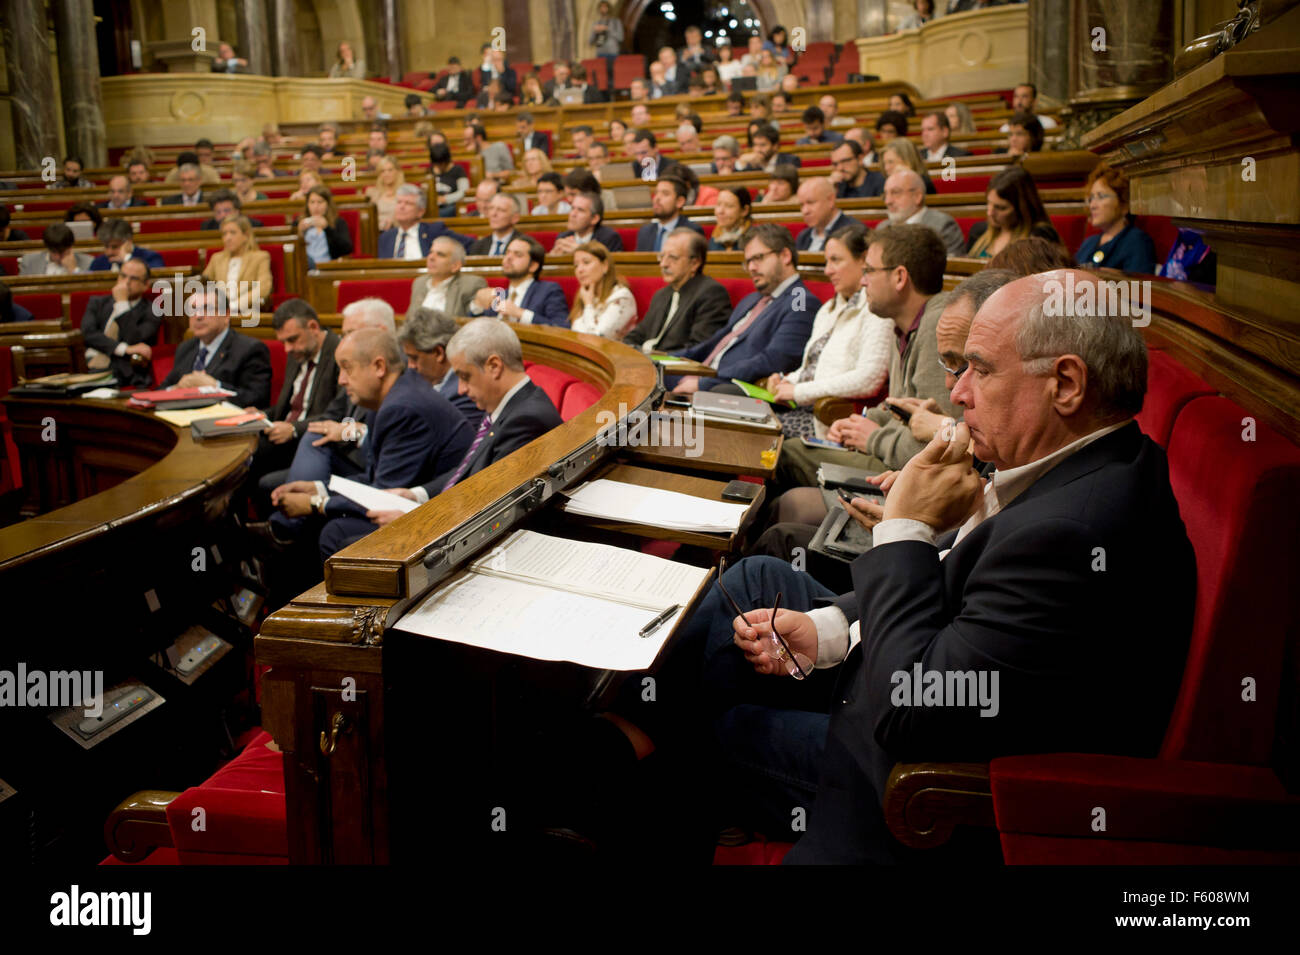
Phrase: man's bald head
(817, 202)
(1053, 357)
(367, 344)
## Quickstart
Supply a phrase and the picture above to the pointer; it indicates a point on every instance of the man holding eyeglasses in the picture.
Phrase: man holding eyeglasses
(120, 325)
(768, 330)
(691, 307)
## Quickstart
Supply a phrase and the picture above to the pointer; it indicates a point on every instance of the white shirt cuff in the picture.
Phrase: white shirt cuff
(420, 493)
(120, 349)
(527, 316)
(902, 529)
(321, 489)
(832, 636)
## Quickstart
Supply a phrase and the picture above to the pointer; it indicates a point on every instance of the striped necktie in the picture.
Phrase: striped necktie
(483, 428)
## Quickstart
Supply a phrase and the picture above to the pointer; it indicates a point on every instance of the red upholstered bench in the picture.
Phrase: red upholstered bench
(42, 305)
(547, 239)
(396, 292)
(643, 289)
(628, 235)
(1169, 387)
(187, 224)
(279, 358)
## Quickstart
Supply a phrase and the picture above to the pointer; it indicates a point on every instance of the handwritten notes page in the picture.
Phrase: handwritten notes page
(555, 599)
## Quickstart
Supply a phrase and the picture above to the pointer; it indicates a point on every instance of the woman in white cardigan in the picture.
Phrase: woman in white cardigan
(848, 351)
(603, 304)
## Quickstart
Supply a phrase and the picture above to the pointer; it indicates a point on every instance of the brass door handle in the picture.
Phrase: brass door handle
(337, 725)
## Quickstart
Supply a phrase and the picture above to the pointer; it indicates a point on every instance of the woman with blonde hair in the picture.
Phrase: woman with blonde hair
(307, 180)
(383, 193)
(901, 153)
(346, 65)
(603, 304)
(535, 164)
(770, 71)
(241, 266)
(960, 119)
(323, 231)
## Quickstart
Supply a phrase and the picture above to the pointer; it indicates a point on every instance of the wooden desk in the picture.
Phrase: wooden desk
(719, 448)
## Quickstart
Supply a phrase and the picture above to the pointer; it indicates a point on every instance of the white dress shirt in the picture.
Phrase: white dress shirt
(412, 250)
(437, 297)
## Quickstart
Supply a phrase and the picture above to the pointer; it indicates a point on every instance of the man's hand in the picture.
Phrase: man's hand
(383, 517)
(565, 246)
(784, 391)
(143, 350)
(296, 505)
(854, 431)
(121, 291)
(688, 385)
(753, 634)
(328, 430)
(279, 432)
(927, 417)
(483, 297)
(510, 310)
(865, 511)
(938, 487)
(292, 487)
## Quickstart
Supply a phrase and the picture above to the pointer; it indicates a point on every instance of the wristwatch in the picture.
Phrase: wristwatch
(318, 504)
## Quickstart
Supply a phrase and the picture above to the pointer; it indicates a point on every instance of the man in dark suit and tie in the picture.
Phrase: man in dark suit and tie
(409, 238)
(120, 325)
(586, 210)
(119, 247)
(190, 178)
(648, 163)
(820, 214)
(530, 137)
(424, 336)
(456, 84)
(219, 356)
(690, 308)
(502, 214)
(667, 200)
(310, 383)
(119, 195)
(415, 434)
(1030, 590)
(768, 330)
(527, 299)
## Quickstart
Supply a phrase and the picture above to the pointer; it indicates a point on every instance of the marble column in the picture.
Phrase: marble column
(562, 29)
(286, 38)
(255, 36)
(1049, 56)
(392, 62)
(27, 53)
(1119, 54)
(83, 104)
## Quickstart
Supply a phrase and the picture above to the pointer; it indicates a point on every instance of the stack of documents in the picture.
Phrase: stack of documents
(635, 504)
(555, 599)
(184, 417)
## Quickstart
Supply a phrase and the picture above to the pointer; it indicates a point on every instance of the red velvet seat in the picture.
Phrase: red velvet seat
(180, 258)
(353, 218)
(42, 305)
(9, 264)
(179, 224)
(11, 472)
(628, 235)
(547, 239)
(578, 397)
(552, 381)
(737, 288)
(643, 288)
(1169, 387)
(279, 358)
(1210, 796)
(396, 292)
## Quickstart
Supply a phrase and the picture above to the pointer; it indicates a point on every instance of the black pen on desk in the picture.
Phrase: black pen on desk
(659, 621)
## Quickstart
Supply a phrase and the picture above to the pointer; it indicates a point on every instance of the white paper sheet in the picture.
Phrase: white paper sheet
(371, 498)
(635, 504)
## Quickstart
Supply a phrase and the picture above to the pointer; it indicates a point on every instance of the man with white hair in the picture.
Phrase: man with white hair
(219, 356)
(502, 213)
(726, 149)
(1034, 585)
(820, 214)
(905, 202)
(688, 138)
(415, 434)
(444, 287)
(408, 237)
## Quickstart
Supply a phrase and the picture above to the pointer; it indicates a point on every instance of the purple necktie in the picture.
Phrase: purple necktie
(484, 427)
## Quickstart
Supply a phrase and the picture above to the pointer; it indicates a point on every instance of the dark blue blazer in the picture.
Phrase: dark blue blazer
(243, 363)
(547, 302)
(775, 342)
(151, 258)
(804, 238)
(414, 435)
(873, 185)
(1130, 251)
(540, 139)
(645, 236)
(528, 415)
(604, 235)
(462, 403)
(1064, 629)
(428, 232)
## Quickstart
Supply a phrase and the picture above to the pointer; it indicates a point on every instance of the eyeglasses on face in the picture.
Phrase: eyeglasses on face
(955, 372)
(754, 259)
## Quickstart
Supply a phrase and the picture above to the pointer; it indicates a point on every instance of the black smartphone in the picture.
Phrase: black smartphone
(847, 495)
(902, 414)
(742, 491)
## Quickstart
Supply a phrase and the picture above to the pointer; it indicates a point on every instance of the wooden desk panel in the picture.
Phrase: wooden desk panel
(722, 449)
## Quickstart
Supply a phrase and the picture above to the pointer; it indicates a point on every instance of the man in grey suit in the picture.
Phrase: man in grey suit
(444, 287)
(58, 257)
(905, 201)
(691, 307)
(497, 161)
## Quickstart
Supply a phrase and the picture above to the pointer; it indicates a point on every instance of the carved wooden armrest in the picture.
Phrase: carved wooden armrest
(832, 408)
(924, 802)
(139, 825)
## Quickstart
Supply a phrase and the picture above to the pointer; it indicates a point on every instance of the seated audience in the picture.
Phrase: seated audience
(72, 177)
(960, 118)
(902, 103)
(550, 196)
(688, 139)
(586, 215)
(121, 325)
(408, 237)
(1024, 99)
(935, 131)
(58, 257)
(820, 214)
(502, 215)
(307, 180)
(765, 155)
(733, 211)
(1024, 136)
(443, 287)
(137, 171)
(327, 140)
(848, 350)
(218, 355)
(866, 142)
(1031, 255)
(494, 96)
(667, 200)
(1014, 212)
(814, 129)
(603, 304)
(119, 246)
(905, 203)
(415, 108)
(527, 299)
(191, 193)
(768, 330)
(725, 152)
(324, 232)
(225, 205)
(424, 336)
(456, 85)
(483, 193)
(83, 212)
(769, 72)
(648, 162)
(535, 165)
(728, 69)
(7, 232)
(449, 179)
(389, 178)
(891, 125)
(346, 66)
(241, 183)
(120, 195)
(782, 186)
(690, 307)
(778, 44)
(312, 160)
(1120, 244)
(208, 174)
(530, 137)
(497, 161)
(241, 266)
(901, 154)
(922, 13)
(851, 178)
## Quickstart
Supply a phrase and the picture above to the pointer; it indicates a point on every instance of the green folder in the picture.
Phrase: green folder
(753, 391)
